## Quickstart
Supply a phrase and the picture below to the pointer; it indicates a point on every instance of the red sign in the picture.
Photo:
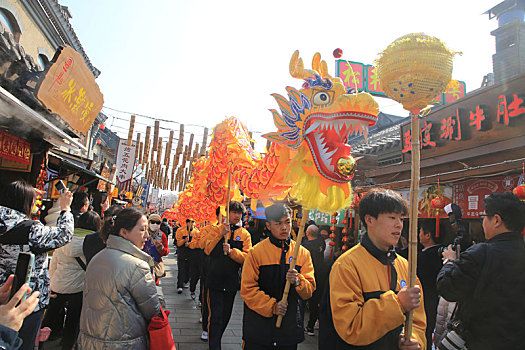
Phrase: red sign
(469, 194)
(352, 74)
(455, 92)
(14, 148)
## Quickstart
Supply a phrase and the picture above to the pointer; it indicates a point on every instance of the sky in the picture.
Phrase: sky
(197, 62)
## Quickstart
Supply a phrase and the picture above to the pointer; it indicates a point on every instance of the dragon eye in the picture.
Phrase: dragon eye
(321, 98)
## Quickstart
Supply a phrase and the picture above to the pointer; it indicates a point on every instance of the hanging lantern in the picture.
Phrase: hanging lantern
(344, 248)
(332, 236)
(520, 191)
(101, 126)
(99, 142)
(332, 228)
(331, 244)
(437, 203)
(333, 221)
(344, 239)
(345, 221)
(344, 231)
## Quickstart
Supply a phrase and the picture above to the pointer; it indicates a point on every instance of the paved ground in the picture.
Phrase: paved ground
(185, 316)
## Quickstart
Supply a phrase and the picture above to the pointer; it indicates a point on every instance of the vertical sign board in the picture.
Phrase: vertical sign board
(125, 161)
(68, 89)
(154, 196)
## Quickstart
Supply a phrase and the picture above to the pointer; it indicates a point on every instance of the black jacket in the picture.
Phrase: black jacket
(92, 245)
(493, 308)
(316, 248)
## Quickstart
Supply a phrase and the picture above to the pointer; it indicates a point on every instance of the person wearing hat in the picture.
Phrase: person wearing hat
(156, 245)
(184, 236)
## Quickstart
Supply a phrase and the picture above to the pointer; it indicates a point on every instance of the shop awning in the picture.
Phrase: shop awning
(12, 108)
(71, 164)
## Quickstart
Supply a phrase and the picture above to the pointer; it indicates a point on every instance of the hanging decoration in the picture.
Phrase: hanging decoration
(347, 222)
(519, 191)
(437, 203)
(413, 70)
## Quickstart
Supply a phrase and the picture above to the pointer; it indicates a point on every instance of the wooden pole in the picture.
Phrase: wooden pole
(137, 144)
(131, 128)
(228, 198)
(294, 260)
(155, 135)
(414, 197)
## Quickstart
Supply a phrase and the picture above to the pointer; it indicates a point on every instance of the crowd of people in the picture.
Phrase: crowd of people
(99, 288)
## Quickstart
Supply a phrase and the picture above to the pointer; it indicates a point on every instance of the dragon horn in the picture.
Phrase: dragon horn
(320, 66)
(297, 67)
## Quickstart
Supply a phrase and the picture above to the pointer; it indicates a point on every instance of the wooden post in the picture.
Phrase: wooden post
(141, 150)
(204, 142)
(137, 144)
(294, 260)
(251, 139)
(167, 156)
(155, 135)
(131, 128)
(228, 198)
(414, 198)
(146, 146)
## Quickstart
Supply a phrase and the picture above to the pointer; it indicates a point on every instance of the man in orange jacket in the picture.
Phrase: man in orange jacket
(265, 272)
(183, 238)
(225, 261)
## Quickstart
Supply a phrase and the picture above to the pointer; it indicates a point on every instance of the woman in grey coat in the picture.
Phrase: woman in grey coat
(120, 297)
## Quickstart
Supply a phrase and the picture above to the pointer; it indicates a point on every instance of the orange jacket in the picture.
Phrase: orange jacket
(182, 234)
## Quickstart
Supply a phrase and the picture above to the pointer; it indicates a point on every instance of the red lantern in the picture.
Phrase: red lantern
(99, 142)
(520, 192)
(334, 214)
(437, 203)
(331, 244)
(101, 126)
(332, 228)
(332, 236)
(344, 248)
(338, 53)
(344, 231)
(344, 239)
(333, 221)
(345, 221)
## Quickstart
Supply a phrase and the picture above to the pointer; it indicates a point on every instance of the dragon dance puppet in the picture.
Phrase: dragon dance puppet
(308, 159)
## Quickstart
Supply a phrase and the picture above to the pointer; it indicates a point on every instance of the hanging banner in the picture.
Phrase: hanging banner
(125, 161)
(426, 194)
(68, 89)
(469, 194)
(323, 219)
(14, 148)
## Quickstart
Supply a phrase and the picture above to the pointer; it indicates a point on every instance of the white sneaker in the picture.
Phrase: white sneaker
(204, 336)
(200, 320)
(192, 295)
(179, 290)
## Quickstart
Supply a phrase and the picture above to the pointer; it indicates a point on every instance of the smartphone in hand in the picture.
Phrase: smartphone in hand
(60, 186)
(24, 268)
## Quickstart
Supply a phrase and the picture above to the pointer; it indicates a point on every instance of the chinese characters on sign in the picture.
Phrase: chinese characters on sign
(125, 164)
(69, 90)
(451, 127)
(352, 74)
(469, 194)
(14, 148)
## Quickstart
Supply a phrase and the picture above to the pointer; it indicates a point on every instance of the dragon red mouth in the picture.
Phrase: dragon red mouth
(327, 135)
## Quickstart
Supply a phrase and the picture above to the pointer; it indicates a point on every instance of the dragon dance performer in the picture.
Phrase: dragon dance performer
(265, 272)
(198, 242)
(183, 237)
(223, 273)
(367, 297)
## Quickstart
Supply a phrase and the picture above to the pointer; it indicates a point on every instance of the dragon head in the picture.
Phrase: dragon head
(323, 115)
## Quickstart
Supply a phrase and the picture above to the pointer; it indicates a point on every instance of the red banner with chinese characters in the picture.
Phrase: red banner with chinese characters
(14, 148)
(469, 194)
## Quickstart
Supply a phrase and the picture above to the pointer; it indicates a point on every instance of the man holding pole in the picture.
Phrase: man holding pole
(265, 272)
(367, 298)
(183, 239)
(223, 270)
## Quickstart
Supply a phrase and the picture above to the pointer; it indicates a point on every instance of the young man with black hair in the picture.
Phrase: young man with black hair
(265, 272)
(488, 279)
(183, 237)
(367, 299)
(223, 273)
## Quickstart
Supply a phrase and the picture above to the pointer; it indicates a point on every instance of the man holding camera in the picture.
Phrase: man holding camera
(488, 281)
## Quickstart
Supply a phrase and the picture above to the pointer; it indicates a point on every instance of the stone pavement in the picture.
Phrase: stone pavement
(185, 314)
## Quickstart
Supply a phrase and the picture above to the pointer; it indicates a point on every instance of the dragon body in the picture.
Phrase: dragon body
(308, 159)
